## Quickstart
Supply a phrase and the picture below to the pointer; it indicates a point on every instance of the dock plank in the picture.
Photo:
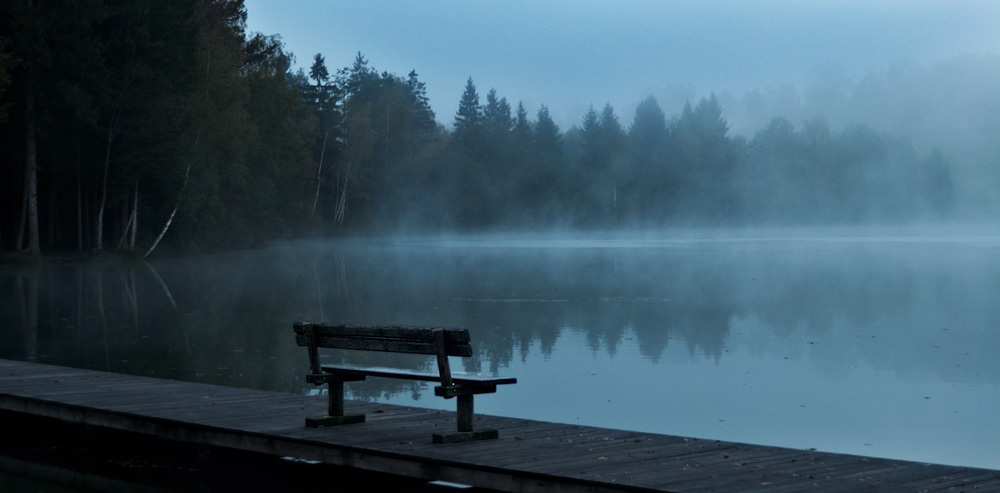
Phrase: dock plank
(973, 481)
(696, 464)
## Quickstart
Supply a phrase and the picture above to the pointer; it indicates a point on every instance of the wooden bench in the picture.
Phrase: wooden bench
(395, 339)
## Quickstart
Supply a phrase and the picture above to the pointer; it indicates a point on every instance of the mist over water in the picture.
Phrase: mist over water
(875, 342)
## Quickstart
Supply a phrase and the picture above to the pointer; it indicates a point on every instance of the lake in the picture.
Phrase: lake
(874, 342)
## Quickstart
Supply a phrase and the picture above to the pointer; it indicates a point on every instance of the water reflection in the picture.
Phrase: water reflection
(728, 339)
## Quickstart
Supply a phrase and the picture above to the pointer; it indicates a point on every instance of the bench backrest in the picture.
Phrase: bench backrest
(387, 338)
(436, 341)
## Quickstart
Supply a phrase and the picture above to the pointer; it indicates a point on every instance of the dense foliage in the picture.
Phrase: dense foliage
(128, 122)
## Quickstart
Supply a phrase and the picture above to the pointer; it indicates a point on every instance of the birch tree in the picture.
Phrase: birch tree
(31, 164)
(323, 96)
(359, 144)
(30, 123)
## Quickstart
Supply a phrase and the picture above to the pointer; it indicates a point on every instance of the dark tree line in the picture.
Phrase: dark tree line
(132, 121)
(127, 124)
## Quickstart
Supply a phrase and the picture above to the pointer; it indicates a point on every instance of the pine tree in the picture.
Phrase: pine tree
(708, 119)
(522, 128)
(642, 179)
(611, 128)
(318, 71)
(423, 115)
(496, 115)
(359, 78)
(649, 128)
(591, 133)
(544, 184)
(602, 135)
(468, 120)
(612, 140)
(547, 137)
(321, 95)
(704, 160)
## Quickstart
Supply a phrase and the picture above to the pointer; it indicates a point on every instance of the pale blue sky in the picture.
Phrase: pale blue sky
(570, 54)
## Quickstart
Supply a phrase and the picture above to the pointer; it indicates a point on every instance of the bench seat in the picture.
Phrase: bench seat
(376, 371)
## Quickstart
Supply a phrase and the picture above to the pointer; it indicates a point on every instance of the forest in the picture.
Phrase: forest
(133, 125)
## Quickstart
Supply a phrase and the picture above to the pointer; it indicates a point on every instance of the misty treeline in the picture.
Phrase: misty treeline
(684, 170)
(128, 122)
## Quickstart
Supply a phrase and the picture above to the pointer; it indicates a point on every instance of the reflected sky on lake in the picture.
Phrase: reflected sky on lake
(849, 342)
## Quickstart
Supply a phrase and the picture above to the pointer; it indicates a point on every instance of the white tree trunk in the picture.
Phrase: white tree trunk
(131, 224)
(79, 207)
(128, 226)
(170, 219)
(135, 216)
(319, 169)
(104, 189)
(24, 220)
(31, 168)
(187, 173)
(115, 116)
(342, 197)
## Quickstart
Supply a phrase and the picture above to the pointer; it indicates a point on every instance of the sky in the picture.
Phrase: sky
(569, 55)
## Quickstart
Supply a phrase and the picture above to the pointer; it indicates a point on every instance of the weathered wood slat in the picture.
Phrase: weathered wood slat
(537, 435)
(702, 466)
(452, 335)
(900, 473)
(530, 442)
(844, 472)
(388, 345)
(693, 468)
(723, 474)
(575, 456)
(730, 461)
(693, 478)
(720, 462)
(667, 452)
(546, 435)
(815, 465)
(769, 479)
(374, 371)
(402, 339)
(973, 481)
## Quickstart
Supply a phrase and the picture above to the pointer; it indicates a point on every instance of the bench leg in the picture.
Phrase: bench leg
(336, 393)
(466, 409)
(335, 409)
(465, 431)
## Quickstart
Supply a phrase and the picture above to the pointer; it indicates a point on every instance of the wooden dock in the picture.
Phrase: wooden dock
(528, 456)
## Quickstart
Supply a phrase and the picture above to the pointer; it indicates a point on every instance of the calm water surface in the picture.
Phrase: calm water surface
(839, 341)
